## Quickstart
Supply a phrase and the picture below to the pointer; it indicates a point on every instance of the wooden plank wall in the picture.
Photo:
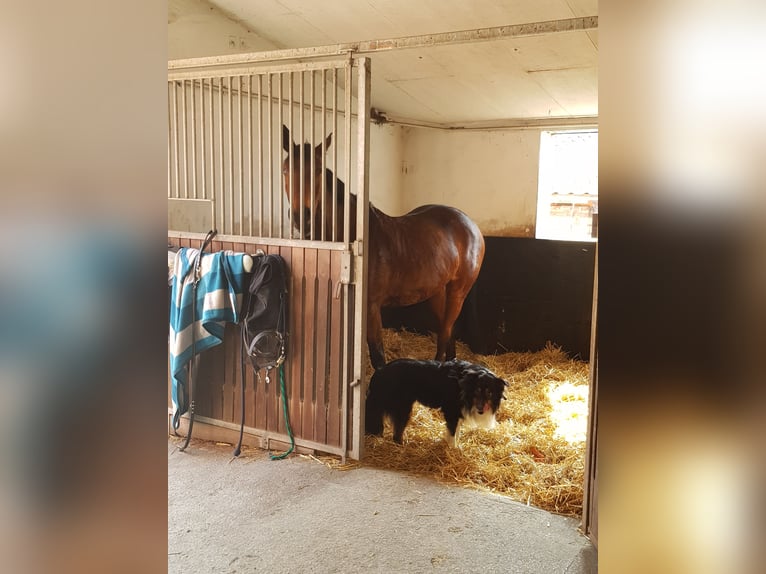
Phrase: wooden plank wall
(313, 368)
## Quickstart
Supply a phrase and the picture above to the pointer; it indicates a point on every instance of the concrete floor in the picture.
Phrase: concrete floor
(298, 516)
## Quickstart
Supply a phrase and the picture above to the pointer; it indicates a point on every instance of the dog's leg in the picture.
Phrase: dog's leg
(400, 416)
(450, 433)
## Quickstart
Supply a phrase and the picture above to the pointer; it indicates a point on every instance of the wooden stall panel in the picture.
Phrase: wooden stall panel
(297, 296)
(314, 363)
(336, 353)
(309, 383)
(323, 336)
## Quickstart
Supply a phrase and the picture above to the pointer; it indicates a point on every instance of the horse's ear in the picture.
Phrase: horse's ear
(327, 142)
(286, 139)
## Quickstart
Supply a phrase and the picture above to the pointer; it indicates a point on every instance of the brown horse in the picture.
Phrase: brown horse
(433, 253)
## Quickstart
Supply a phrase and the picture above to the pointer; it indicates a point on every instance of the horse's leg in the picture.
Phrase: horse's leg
(454, 304)
(438, 304)
(375, 337)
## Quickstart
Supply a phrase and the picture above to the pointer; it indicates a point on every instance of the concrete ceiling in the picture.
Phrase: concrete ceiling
(549, 76)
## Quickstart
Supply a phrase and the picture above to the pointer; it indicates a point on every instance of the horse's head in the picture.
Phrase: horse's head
(302, 200)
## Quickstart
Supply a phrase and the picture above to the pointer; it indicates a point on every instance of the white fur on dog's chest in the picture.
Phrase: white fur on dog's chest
(471, 419)
(485, 420)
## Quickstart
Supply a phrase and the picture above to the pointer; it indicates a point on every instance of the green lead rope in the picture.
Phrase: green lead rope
(287, 418)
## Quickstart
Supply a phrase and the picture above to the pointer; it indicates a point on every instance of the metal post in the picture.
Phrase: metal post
(312, 161)
(260, 156)
(302, 160)
(221, 186)
(203, 159)
(322, 177)
(360, 255)
(241, 158)
(170, 144)
(250, 149)
(183, 125)
(213, 197)
(347, 140)
(271, 160)
(335, 153)
(194, 136)
(231, 157)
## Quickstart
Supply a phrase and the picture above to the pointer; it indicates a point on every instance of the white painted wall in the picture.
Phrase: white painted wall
(196, 28)
(386, 177)
(490, 175)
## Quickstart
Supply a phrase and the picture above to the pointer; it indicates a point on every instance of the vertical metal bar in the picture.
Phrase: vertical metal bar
(313, 160)
(292, 135)
(203, 159)
(221, 182)
(231, 156)
(177, 158)
(362, 220)
(260, 155)
(271, 159)
(335, 154)
(347, 312)
(170, 144)
(302, 160)
(183, 115)
(194, 136)
(213, 197)
(241, 159)
(250, 149)
(347, 154)
(322, 178)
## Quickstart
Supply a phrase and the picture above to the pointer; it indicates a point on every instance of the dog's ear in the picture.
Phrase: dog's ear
(500, 386)
(464, 380)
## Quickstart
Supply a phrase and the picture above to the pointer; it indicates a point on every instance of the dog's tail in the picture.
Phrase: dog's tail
(373, 414)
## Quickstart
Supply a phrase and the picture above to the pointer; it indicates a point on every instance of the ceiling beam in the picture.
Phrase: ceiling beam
(566, 122)
(404, 43)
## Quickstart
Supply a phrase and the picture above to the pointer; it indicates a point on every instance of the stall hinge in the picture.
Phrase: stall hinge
(345, 267)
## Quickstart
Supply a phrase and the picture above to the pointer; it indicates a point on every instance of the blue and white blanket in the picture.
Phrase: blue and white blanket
(218, 300)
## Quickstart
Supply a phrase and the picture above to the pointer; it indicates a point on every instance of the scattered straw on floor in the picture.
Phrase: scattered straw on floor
(536, 452)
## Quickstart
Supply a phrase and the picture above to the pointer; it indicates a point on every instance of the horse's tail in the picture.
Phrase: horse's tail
(373, 413)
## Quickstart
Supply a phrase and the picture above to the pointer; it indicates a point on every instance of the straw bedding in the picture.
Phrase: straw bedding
(536, 452)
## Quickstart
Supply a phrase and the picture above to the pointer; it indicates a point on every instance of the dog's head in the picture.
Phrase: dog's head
(481, 390)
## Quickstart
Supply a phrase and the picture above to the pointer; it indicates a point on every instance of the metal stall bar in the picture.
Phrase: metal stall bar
(240, 157)
(221, 185)
(335, 154)
(312, 156)
(260, 155)
(345, 382)
(203, 159)
(271, 160)
(322, 177)
(183, 127)
(347, 141)
(360, 251)
(213, 198)
(291, 159)
(175, 140)
(170, 145)
(194, 136)
(301, 160)
(231, 157)
(250, 150)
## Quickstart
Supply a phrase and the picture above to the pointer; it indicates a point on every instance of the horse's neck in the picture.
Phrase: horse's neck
(377, 220)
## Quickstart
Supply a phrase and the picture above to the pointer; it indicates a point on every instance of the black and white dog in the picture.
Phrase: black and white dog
(463, 391)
